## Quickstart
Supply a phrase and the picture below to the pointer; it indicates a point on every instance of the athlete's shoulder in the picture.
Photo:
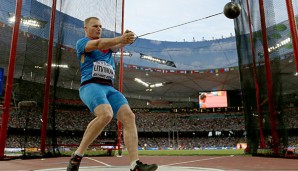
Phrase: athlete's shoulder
(84, 39)
(80, 45)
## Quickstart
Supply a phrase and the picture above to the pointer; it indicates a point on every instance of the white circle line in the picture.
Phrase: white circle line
(97, 161)
(213, 158)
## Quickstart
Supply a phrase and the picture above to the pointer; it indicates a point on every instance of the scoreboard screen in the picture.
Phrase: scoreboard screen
(213, 99)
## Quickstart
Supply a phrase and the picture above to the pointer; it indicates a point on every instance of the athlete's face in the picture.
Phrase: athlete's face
(93, 29)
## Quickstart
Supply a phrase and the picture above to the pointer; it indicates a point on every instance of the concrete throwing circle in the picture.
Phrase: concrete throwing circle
(121, 168)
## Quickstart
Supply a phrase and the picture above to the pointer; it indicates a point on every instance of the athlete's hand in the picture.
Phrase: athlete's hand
(128, 37)
(128, 31)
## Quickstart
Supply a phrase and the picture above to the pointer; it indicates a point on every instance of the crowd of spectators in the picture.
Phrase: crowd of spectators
(71, 120)
(168, 121)
(189, 143)
(154, 118)
(75, 121)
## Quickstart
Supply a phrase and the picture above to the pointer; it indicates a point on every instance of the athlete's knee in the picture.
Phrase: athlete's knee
(130, 116)
(127, 118)
(104, 118)
(104, 113)
(125, 115)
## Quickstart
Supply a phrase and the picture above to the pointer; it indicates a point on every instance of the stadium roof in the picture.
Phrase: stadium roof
(199, 65)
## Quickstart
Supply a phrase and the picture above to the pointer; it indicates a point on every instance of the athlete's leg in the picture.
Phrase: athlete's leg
(104, 115)
(127, 118)
(95, 97)
(130, 135)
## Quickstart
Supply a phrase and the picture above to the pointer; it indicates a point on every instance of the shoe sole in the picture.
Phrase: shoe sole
(153, 168)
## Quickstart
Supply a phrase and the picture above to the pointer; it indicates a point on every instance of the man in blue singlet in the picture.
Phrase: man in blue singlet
(97, 92)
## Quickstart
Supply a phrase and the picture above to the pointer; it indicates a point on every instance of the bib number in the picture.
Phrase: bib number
(103, 70)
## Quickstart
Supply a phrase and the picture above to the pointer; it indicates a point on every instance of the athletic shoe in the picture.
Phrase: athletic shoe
(74, 163)
(144, 167)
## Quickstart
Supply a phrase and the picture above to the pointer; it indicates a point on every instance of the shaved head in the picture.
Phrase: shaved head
(87, 20)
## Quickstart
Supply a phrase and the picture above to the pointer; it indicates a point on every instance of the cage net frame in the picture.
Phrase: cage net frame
(267, 59)
(31, 69)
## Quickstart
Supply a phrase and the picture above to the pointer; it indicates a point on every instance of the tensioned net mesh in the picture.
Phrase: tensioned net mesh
(209, 57)
(260, 121)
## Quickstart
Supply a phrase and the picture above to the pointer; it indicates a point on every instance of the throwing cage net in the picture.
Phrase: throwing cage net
(40, 65)
(268, 72)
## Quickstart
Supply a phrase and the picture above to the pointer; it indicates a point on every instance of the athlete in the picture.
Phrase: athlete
(97, 92)
(202, 100)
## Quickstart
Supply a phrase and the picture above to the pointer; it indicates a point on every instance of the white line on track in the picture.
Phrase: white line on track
(213, 158)
(97, 161)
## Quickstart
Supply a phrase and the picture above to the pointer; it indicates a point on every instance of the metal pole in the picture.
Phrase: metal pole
(262, 140)
(121, 77)
(292, 24)
(48, 81)
(272, 112)
(10, 75)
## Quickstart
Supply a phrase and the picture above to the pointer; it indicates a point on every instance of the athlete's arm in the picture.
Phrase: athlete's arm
(121, 45)
(109, 43)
